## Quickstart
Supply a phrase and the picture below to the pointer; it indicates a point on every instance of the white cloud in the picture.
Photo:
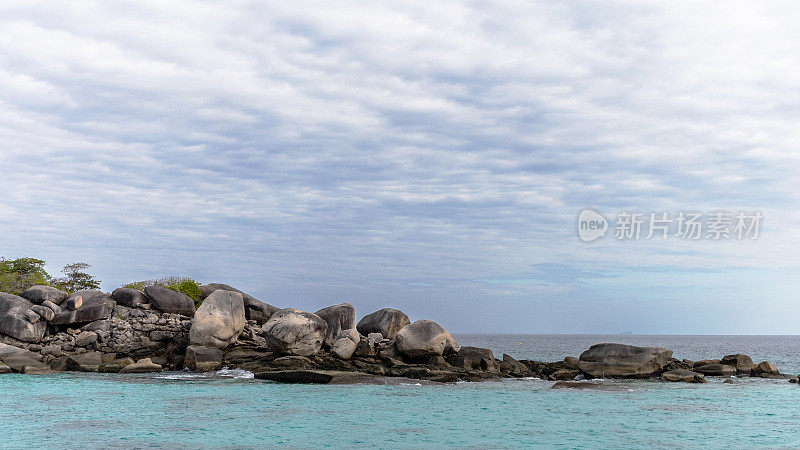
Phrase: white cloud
(397, 153)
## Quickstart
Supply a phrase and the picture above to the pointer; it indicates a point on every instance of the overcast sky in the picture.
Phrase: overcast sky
(430, 156)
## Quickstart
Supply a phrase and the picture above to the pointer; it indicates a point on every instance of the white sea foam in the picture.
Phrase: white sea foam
(239, 374)
(236, 374)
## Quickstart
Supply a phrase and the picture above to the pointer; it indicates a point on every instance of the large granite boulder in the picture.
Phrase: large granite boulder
(338, 317)
(716, 370)
(623, 361)
(170, 301)
(84, 362)
(425, 338)
(743, 363)
(344, 348)
(474, 355)
(294, 332)
(386, 321)
(765, 367)
(254, 309)
(95, 305)
(129, 297)
(14, 320)
(203, 359)
(22, 361)
(38, 294)
(219, 321)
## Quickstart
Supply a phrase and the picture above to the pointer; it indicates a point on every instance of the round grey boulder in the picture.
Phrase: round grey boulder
(387, 321)
(170, 301)
(338, 317)
(14, 320)
(294, 332)
(38, 294)
(344, 348)
(254, 309)
(425, 338)
(219, 321)
(129, 297)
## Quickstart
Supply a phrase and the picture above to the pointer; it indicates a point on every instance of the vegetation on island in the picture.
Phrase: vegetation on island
(184, 285)
(18, 275)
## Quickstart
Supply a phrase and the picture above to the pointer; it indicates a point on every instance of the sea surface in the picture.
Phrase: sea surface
(230, 409)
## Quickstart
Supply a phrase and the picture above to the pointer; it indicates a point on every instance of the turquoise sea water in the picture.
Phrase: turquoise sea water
(230, 410)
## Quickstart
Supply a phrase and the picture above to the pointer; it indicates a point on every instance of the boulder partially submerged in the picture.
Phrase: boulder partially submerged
(623, 361)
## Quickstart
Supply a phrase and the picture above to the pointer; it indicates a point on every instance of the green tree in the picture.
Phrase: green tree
(76, 279)
(17, 275)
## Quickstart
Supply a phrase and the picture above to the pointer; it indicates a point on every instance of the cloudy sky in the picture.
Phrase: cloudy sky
(428, 156)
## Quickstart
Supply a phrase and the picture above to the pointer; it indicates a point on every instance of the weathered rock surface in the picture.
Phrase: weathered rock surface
(425, 338)
(129, 297)
(21, 361)
(344, 348)
(743, 363)
(114, 366)
(44, 312)
(145, 365)
(477, 357)
(294, 332)
(338, 317)
(765, 367)
(716, 370)
(219, 321)
(14, 320)
(96, 305)
(52, 306)
(170, 301)
(38, 294)
(85, 362)
(255, 309)
(387, 321)
(623, 361)
(204, 359)
(683, 375)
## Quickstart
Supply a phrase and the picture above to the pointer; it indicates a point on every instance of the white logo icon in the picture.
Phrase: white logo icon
(591, 225)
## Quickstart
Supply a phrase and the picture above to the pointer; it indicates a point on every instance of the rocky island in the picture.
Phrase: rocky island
(47, 330)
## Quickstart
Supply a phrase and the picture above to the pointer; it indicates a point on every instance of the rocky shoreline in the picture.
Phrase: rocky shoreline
(46, 330)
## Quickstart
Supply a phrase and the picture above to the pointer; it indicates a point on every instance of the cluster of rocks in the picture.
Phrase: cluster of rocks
(132, 331)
